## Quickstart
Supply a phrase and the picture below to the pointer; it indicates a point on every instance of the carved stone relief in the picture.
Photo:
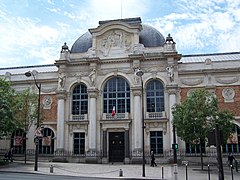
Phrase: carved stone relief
(227, 80)
(47, 102)
(114, 40)
(228, 94)
(192, 81)
(77, 127)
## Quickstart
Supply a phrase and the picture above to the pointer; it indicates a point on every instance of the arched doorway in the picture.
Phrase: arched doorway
(18, 141)
(46, 143)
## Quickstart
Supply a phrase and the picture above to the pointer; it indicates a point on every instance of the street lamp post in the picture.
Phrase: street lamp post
(219, 153)
(174, 150)
(29, 74)
(140, 74)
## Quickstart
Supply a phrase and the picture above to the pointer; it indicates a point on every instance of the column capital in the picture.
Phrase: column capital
(137, 91)
(172, 89)
(92, 92)
(61, 94)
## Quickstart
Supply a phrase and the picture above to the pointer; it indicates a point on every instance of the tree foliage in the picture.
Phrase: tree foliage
(17, 109)
(7, 102)
(195, 117)
(27, 104)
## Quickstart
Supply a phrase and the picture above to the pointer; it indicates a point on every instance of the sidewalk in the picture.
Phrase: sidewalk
(130, 171)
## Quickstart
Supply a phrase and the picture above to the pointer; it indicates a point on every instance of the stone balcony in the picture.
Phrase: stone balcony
(118, 116)
(155, 115)
(81, 117)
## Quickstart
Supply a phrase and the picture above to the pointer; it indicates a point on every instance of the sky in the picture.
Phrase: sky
(33, 31)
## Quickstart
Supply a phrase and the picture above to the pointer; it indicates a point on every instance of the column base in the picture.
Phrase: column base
(137, 160)
(105, 160)
(137, 156)
(126, 160)
(91, 157)
(59, 156)
(92, 160)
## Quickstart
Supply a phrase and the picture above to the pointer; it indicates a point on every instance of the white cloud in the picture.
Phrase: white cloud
(199, 25)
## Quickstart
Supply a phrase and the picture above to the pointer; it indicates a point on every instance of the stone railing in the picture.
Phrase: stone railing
(118, 116)
(81, 117)
(155, 115)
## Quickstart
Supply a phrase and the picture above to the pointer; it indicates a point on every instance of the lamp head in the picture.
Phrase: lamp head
(28, 74)
(139, 73)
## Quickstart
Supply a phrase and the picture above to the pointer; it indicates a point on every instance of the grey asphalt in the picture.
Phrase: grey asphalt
(122, 171)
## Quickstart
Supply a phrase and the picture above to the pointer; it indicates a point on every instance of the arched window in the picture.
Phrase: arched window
(18, 141)
(79, 100)
(46, 143)
(233, 143)
(155, 96)
(116, 93)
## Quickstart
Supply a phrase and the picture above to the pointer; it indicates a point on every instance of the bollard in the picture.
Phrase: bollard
(236, 165)
(208, 172)
(186, 172)
(120, 173)
(162, 173)
(231, 166)
(175, 172)
(51, 169)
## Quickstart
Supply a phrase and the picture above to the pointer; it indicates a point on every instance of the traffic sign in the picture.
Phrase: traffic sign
(38, 133)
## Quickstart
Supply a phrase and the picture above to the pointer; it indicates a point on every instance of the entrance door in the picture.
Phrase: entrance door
(116, 146)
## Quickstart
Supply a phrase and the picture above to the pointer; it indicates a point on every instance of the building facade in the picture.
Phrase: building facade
(98, 75)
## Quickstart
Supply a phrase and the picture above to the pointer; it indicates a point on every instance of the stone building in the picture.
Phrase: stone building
(99, 74)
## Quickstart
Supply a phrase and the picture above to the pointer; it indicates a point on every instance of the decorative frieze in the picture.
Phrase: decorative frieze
(192, 81)
(227, 80)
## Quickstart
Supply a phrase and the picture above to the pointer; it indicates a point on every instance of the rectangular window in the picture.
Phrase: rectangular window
(156, 142)
(195, 148)
(79, 143)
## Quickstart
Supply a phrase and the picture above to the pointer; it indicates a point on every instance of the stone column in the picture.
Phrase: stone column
(172, 91)
(92, 126)
(60, 120)
(137, 124)
(104, 143)
(104, 146)
(126, 140)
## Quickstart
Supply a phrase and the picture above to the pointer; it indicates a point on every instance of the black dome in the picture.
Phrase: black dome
(149, 37)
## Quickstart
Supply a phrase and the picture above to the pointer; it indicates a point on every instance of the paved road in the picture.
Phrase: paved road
(112, 171)
(28, 176)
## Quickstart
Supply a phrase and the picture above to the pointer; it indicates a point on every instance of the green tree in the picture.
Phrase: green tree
(197, 115)
(7, 110)
(17, 109)
(27, 104)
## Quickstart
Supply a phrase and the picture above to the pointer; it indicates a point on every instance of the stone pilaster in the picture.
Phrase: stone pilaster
(104, 146)
(92, 127)
(137, 125)
(61, 95)
(172, 91)
(126, 140)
